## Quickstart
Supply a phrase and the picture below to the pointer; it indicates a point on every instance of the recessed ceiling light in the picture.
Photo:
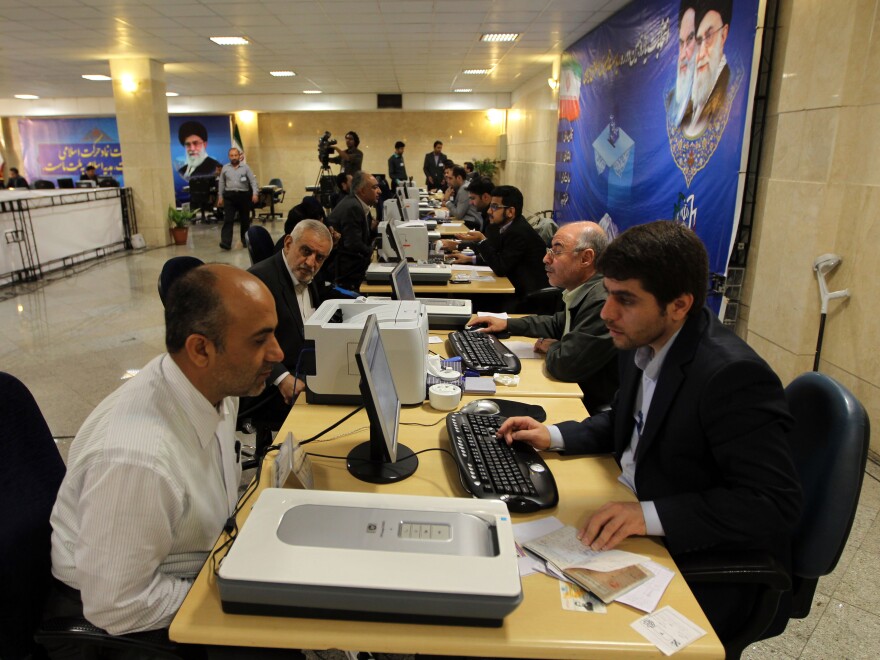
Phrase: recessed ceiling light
(282, 74)
(94, 76)
(476, 72)
(508, 36)
(171, 94)
(312, 91)
(230, 41)
(27, 97)
(462, 91)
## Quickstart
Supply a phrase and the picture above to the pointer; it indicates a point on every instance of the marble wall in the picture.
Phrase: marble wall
(819, 192)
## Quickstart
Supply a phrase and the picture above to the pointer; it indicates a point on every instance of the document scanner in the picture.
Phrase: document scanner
(334, 331)
(380, 557)
(442, 312)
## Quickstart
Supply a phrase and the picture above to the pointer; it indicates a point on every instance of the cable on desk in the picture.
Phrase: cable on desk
(415, 453)
(331, 427)
(442, 419)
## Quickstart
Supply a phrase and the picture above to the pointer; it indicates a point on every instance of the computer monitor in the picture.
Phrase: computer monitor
(65, 182)
(86, 184)
(382, 459)
(394, 240)
(401, 283)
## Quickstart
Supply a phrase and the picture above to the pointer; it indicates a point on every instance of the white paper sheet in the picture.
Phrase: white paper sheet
(647, 595)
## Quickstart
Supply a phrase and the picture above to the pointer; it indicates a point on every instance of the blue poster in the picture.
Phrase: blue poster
(199, 146)
(54, 149)
(652, 110)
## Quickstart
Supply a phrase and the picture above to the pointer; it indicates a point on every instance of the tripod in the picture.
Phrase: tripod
(325, 185)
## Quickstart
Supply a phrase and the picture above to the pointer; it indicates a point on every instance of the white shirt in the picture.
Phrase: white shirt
(151, 479)
(306, 309)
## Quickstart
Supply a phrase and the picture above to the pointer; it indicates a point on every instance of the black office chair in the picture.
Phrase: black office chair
(829, 443)
(42, 184)
(543, 301)
(277, 197)
(259, 243)
(30, 476)
(174, 268)
(66, 183)
(203, 194)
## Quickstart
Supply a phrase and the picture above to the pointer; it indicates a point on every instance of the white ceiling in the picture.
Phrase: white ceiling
(337, 46)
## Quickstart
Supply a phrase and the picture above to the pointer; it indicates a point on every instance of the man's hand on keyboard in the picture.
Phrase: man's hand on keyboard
(493, 323)
(525, 429)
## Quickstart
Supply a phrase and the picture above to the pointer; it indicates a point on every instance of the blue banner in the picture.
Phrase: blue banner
(652, 111)
(55, 149)
(198, 146)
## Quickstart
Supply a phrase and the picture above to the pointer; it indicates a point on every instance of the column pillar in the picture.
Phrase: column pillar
(248, 123)
(142, 120)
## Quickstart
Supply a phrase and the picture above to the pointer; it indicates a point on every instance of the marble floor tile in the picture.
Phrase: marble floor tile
(797, 633)
(859, 584)
(844, 632)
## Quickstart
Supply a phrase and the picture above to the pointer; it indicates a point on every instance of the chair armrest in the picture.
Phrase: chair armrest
(740, 567)
(79, 632)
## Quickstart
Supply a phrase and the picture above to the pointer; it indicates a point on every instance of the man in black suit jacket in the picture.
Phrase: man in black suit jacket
(698, 424)
(435, 163)
(289, 275)
(510, 247)
(352, 219)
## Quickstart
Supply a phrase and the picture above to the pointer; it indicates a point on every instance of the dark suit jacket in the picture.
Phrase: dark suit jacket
(207, 168)
(713, 456)
(289, 331)
(354, 249)
(517, 253)
(434, 171)
(715, 102)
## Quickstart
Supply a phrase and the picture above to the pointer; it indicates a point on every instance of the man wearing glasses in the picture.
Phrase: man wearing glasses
(577, 343)
(510, 246)
(357, 227)
(712, 74)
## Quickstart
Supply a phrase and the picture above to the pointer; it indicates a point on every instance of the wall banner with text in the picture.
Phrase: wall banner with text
(653, 106)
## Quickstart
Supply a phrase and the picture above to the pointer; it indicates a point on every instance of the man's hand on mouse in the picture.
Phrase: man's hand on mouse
(493, 323)
(525, 429)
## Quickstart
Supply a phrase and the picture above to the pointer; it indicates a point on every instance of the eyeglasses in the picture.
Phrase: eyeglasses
(495, 207)
(709, 37)
(556, 253)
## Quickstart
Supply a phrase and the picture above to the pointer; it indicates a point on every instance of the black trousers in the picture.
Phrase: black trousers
(235, 203)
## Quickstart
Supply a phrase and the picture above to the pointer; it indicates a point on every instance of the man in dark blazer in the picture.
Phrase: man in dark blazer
(352, 219)
(698, 424)
(510, 247)
(289, 275)
(435, 163)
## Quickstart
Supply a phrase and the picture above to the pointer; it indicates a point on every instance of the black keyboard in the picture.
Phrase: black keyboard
(483, 353)
(489, 469)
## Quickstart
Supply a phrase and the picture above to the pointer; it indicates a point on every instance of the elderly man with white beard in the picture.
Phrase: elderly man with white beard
(712, 74)
(194, 137)
(678, 99)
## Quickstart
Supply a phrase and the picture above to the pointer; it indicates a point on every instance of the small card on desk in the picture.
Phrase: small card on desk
(479, 385)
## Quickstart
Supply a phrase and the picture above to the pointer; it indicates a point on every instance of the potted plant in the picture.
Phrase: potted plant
(486, 167)
(179, 220)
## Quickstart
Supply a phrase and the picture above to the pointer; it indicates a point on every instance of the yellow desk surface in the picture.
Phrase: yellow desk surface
(538, 628)
(450, 229)
(466, 290)
(534, 381)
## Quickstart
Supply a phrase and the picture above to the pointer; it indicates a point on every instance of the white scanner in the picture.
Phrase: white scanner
(335, 330)
(373, 556)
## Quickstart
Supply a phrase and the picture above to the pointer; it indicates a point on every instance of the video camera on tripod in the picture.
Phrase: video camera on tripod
(325, 149)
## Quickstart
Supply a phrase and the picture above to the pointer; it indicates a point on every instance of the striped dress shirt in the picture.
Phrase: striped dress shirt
(152, 477)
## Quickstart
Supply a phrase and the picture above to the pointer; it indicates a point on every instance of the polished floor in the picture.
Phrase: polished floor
(72, 340)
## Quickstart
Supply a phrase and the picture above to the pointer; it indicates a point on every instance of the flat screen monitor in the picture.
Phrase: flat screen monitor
(86, 184)
(382, 459)
(394, 240)
(66, 182)
(401, 283)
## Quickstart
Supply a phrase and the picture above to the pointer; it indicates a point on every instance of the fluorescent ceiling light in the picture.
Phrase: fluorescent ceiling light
(462, 91)
(476, 72)
(312, 91)
(509, 36)
(282, 74)
(27, 97)
(94, 76)
(171, 94)
(230, 41)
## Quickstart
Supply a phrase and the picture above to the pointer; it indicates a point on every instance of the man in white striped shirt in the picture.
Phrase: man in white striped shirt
(153, 473)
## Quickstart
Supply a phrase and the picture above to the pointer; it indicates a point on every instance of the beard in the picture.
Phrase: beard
(704, 81)
(192, 162)
(683, 87)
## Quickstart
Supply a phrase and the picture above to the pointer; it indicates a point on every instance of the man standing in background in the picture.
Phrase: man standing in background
(396, 166)
(236, 195)
(435, 163)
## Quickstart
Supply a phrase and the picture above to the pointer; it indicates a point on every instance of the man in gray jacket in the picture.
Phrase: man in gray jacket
(575, 340)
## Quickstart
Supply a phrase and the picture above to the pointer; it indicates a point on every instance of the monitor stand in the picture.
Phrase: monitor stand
(363, 465)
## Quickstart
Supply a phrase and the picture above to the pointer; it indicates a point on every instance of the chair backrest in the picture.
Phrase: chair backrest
(66, 182)
(42, 184)
(259, 243)
(542, 301)
(276, 182)
(30, 474)
(830, 447)
(174, 268)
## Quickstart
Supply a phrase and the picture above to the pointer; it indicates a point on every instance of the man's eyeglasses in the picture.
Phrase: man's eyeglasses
(708, 37)
(557, 253)
(495, 207)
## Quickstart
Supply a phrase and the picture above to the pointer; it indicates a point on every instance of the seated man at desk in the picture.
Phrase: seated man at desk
(356, 226)
(459, 203)
(510, 246)
(289, 275)
(698, 424)
(575, 340)
(15, 180)
(153, 473)
(90, 174)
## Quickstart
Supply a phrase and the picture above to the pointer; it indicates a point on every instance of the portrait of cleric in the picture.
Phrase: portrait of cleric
(194, 137)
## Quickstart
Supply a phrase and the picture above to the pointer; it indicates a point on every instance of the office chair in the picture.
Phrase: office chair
(259, 243)
(203, 194)
(42, 184)
(174, 268)
(66, 183)
(543, 223)
(829, 443)
(543, 301)
(277, 198)
(30, 477)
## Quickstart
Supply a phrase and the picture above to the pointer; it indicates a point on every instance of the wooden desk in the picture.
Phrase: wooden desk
(472, 288)
(534, 381)
(538, 628)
